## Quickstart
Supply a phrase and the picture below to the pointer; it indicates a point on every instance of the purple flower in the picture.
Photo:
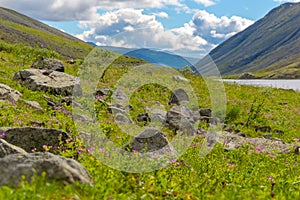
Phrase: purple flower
(2, 135)
(295, 165)
(271, 178)
(258, 150)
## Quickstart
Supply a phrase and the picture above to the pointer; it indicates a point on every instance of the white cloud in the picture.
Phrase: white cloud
(206, 3)
(161, 15)
(215, 29)
(67, 10)
(133, 28)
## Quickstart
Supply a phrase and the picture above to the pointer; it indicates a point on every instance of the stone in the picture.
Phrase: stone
(83, 118)
(178, 97)
(114, 109)
(33, 139)
(180, 79)
(57, 83)
(205, 112)
(122, 119)
(7, 149)
(148, 140)
(144, 117)
(16, 166)
(263, 129)
(248, 76)
(6, 93)
(181, 118)
(119, 96)
(158, 115)
(33, 104)
(105, 91)
(257, 145)
(49, 64)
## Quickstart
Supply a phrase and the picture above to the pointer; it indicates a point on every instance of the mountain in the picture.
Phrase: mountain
(156, 57)
(269, 46)
(17, 28)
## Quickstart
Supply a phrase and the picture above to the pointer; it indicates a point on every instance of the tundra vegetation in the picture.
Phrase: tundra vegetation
(243, 173)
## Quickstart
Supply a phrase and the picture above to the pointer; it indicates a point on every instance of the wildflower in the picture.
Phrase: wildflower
(271, 178)
(295, 165)
(258, 150)
(101, 149)
(2, 135)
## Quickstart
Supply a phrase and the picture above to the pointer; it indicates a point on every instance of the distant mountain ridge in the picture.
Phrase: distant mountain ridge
(17, 28)
(270, 44)
(156, 57)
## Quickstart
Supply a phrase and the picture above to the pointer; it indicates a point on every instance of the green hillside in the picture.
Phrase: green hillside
(17, 28)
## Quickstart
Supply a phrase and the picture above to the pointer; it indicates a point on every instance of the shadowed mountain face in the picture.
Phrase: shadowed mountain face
(18, 28)
(272, 43)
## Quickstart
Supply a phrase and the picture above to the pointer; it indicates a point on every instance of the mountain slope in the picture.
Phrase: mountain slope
(156, 57)
(269, 44)
(18, 28)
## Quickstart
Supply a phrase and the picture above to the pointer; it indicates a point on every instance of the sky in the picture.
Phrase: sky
(185, 27)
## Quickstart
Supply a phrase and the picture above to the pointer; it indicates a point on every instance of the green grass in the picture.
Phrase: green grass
(17, 33)
(236, 174)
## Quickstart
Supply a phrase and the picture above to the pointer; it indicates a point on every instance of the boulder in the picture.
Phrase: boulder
(119, 96)
(49, 64)
(16, 166)
(178, 97)
(7, 149)
(33, 104)
(54, 82)
(178, 114)
(122, 119)
(248, 76)
(33, 139)
(181, 118)
(180, 79)
(158, 115)
(144, 117)
(205, 112)
(258, 145)
(6, 93)
(148, 140)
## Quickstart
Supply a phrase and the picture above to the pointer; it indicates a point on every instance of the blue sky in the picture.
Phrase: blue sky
(185, 27)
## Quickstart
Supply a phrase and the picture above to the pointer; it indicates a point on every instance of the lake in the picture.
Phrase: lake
(293, 84)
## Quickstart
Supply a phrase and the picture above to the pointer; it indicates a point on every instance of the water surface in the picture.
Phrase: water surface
(293, 84)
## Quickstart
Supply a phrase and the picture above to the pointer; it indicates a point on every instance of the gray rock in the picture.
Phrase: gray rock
(144, 117)
(83, 118)
(179, 96)
(16, 166)
(158, 115)
(7, 149)
(54, 82)
(33, 104)
(123, 119)
(148, 140)
(177, 114)
(6, 93)
(261, 145)
(119, 96)
(205, 112)
(49, 64)
(33, 139)
(105, 91)
(114, 109)
(180, 79)
(248, 76)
